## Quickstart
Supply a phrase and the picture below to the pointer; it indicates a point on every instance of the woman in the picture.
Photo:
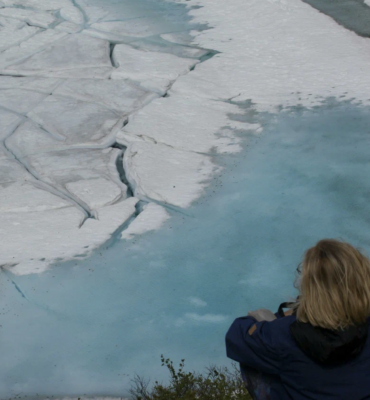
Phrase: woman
(321, 350)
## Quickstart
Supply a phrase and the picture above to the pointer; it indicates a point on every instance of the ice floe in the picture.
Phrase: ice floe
(19, 100)
(167, 175)
(46, 5)
(77, 122)
(69, 53)
(119, 96)
(77, 129)
(197, 126)
(151, 218)
(279, 54)
(10, 36)
(41, 19)
(72, 14)
(29, 47)
(151, 70)
(55, 233)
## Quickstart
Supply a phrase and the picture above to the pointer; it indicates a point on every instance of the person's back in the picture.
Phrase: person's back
(322, 351)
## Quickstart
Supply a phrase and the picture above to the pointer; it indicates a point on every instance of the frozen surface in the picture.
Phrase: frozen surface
(153, 71)
(10, 37)
(180, 127)
(72, 52)
(151, 218)
(61, 165)
(34, 18)
(120, 96)
(162, 173)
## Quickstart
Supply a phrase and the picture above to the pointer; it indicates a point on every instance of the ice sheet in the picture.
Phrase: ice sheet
(137, 27)
(10, 37)
(295, 67)
(11, 23)
(50, 241)
(78, 122)
(72, 14)
(8, 122)
(61, 168)
(194, 126)
(151, 218)
(162, 173)
(20, 101)
(49, 5)
(119, 96)
(28, 47)
(68, 27)
(36, 18)
(71, 52)
(42, 85)
(153, 71)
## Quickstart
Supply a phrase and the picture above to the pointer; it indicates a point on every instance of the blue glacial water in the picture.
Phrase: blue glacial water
(84, 328)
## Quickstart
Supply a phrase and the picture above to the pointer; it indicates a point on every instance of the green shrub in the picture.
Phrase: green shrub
(215, 384)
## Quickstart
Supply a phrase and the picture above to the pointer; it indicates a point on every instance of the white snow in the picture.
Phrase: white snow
(153, 71)
(151, 218)
(162, 173)
(279, 54)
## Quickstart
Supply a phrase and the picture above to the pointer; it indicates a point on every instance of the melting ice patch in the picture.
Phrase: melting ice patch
(61, 113)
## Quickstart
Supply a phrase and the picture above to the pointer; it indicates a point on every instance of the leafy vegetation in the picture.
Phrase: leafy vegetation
(215, 384)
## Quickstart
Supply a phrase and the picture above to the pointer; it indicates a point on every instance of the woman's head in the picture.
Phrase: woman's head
(334, 285)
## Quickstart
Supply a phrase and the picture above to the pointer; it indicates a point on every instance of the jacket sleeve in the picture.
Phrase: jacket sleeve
(258, 350)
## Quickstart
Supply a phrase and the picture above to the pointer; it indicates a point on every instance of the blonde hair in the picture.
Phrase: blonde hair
(334, 286)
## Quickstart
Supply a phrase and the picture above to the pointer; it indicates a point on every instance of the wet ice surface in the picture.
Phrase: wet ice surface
(71, 75)
(89, 325)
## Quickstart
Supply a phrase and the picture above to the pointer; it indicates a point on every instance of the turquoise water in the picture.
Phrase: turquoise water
(86, 327)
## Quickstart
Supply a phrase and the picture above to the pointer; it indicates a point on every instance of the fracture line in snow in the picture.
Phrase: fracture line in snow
(39, 182)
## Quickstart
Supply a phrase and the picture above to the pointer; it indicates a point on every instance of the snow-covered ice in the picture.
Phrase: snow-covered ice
(65, 105)
(180, 127)
(120, 96)
(71, 52)
(41, 19)
(151, 70)
(10, 37)
(162, 173)
(61, 163)
(151, 218)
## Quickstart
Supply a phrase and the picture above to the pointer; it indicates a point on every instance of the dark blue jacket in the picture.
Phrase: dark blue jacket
(273, 349)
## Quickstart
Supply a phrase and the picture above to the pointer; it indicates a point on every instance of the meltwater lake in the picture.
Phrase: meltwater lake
(85, 328)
